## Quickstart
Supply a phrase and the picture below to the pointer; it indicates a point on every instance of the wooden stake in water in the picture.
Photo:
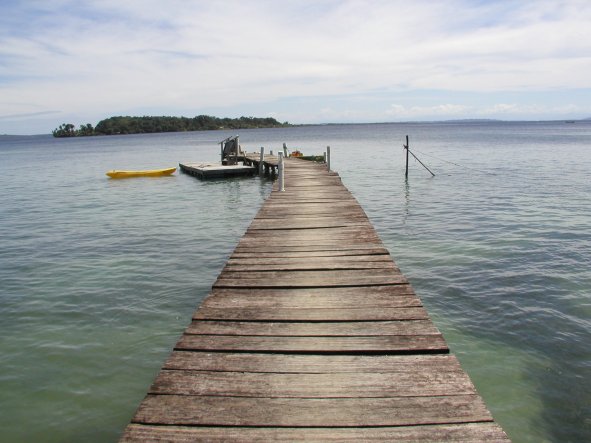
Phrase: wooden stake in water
(328, 158)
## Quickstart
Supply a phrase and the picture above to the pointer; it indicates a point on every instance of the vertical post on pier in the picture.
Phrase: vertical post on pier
(271, 152)
(324, 157)
(406, 149)
(237, 150)
(280, 166)
(328, 158)
(284, 150)
(261, 162)
(222, 151)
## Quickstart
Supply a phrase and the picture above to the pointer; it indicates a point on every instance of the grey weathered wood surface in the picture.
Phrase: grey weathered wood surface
(312, 333)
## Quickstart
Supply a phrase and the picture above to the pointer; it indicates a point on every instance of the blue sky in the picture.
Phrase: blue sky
(306, 61)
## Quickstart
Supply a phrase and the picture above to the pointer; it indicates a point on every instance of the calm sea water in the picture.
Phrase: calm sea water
(98, 277)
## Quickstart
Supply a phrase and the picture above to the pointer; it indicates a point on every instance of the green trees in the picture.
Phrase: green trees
(65, 130)
(68, 130)
(86, 129)
(147, 124)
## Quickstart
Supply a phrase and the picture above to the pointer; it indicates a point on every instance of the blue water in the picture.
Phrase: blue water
(98, 277)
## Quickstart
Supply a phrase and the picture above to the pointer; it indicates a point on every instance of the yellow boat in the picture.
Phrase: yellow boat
(148, 173)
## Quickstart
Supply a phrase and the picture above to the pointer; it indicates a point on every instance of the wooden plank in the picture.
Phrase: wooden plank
(309, 265)
(318, 329)
(397, 296)
(297, 238)
(312, 412)
(300, 211)
(419, 383)
(299, 279)
(292, 243)
(307, 223)
(349, 274)
(346, 260)
(262, 250)
(465, 432)
(393, 344)
(311, 314)
(280, 203)
(312, 235)
(308, 363)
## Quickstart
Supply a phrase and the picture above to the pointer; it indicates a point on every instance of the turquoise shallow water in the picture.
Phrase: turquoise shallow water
(98, 277)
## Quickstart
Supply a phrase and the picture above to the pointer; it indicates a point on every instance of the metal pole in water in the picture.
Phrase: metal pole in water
(406, 149)
(281, 174)
(328, 158)
(261, 161)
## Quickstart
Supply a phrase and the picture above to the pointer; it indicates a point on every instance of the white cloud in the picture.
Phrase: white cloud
(104, 57)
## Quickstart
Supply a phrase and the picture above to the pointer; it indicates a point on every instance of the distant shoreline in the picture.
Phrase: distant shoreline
(282, 125)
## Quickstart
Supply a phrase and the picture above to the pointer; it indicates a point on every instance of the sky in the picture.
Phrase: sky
(301, 61)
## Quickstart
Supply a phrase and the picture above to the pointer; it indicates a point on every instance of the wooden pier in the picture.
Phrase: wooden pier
(312, 333)
(250, 166)
(270, 162)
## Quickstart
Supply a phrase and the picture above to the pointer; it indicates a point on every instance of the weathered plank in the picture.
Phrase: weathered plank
(360, 275)
(390, 344)
(327, 261)
(265, 224)
(308, 363)
(312, 235)
(311, 314)
(311, 412)
(303, 213)
(317, 329)
(420, 383)
(309, 264)
(299, 250)
(293, 243)
(396, 296)
(303, 279)
(465, 432)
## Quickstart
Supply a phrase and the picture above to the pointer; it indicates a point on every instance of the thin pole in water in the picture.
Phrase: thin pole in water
(406, 149)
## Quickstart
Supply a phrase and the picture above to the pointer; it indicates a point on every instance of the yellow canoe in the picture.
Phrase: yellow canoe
(148, 173)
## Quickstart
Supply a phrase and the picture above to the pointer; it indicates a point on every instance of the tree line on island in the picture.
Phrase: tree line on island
(146, 125)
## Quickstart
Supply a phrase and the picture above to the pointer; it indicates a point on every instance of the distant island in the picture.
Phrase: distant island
(147, 125)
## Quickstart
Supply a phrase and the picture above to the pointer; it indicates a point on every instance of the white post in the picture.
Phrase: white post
(328, 158)
(237, 149)
(261, 162)
(284, 149)
(281, 174)
(325, 157)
